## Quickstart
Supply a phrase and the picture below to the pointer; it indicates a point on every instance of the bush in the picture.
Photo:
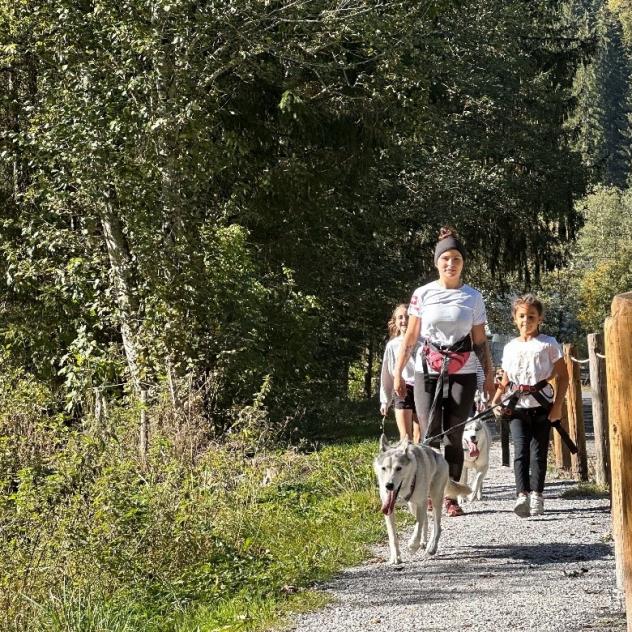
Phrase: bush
(97, 538)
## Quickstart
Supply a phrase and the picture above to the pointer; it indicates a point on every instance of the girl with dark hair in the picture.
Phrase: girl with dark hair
(407, 423)
(529, 362)
(447, 318)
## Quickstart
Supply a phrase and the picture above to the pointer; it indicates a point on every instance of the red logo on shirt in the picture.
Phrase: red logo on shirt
(413, 300)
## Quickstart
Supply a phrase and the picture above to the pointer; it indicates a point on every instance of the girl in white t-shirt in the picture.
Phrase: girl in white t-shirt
(407, 423)
(529, 362)
(448, 318)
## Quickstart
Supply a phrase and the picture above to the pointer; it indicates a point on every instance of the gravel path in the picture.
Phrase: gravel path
(493, 572)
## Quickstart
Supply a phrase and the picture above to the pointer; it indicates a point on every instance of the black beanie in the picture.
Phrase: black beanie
(448, 243)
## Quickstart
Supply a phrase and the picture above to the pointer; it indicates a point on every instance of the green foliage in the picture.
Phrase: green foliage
(586, 490)
(216, 211)
(604, 252)
(623, 10)
(602, 89)
(93, 536)
(69, 611)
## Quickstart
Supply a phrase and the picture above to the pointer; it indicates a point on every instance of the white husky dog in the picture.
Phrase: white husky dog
(413, 473)
(477, 441)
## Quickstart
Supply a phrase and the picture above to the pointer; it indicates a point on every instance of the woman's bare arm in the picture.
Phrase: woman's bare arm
(481, 349)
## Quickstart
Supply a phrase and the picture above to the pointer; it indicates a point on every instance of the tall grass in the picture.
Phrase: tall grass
(96, 540)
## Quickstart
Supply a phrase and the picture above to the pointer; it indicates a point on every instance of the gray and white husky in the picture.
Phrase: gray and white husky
(413, 473)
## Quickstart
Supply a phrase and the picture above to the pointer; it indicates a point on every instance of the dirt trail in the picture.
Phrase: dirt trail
(493, 572)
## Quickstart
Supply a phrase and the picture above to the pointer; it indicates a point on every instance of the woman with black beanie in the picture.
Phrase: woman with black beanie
(447, 319)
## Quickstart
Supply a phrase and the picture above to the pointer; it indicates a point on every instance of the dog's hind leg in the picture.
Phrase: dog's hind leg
(420, 532)
(393, 540)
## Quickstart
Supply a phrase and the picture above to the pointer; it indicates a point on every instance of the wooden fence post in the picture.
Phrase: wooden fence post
(579, 461)
(562, 453)
(599, 394)
(619, 373)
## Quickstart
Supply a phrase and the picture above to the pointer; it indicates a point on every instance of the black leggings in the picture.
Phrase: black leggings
(456, 409)
(530, 430)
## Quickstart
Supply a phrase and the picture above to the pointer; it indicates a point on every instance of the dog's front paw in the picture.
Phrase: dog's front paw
(471, 497)
(413, 545)
(394, 560)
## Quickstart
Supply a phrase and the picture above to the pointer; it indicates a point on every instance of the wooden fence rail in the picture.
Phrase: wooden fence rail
(618, 330)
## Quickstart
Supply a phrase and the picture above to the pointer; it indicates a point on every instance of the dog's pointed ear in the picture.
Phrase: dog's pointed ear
(405, 444)
(384, 445)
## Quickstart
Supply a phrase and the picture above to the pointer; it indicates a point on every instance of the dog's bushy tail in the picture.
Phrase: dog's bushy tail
(454, 489)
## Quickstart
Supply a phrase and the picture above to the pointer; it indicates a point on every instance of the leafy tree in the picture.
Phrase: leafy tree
(602, 86)
(229, 197)
(604, 252)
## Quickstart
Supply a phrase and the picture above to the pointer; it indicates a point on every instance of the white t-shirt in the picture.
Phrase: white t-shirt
(530, 362)
(447, 316)
(388, 369)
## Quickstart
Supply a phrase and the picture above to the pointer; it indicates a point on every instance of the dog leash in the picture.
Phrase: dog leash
(490, 411)
(486, 413)
(480, 415)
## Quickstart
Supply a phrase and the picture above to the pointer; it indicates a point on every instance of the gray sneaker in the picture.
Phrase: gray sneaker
(536, 504)
(522, 508)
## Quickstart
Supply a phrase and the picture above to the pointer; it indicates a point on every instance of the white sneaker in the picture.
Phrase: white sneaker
(521, 508)
(536, 504)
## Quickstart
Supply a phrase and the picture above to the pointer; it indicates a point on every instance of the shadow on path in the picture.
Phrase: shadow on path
(549, 552)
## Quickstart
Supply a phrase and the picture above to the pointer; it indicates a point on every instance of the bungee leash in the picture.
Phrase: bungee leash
(557, 424)
(485, 413)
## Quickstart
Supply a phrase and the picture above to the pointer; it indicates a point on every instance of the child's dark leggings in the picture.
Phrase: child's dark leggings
(458, 407)
(530, 430)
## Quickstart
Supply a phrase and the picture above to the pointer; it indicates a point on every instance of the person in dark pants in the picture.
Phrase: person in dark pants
(529, 362)
(456, 408)
(530, 430)
(447, 326)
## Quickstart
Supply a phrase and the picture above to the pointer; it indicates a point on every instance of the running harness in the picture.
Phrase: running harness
(456, 353)
(535, 390)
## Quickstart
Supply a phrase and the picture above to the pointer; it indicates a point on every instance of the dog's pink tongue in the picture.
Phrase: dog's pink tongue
(473, 449)
(389, 504)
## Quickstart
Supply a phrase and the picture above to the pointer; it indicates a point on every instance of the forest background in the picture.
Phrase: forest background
(209, 210)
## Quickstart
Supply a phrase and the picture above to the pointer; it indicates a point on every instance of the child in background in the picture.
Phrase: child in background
(407, 423)
(529, 362)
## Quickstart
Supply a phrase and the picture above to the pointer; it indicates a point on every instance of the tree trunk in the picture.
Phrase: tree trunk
(166, 94)
(120, 262)
(368, 374)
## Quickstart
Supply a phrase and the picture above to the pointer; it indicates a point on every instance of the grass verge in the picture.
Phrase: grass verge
(231, 541)
(586, 490)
